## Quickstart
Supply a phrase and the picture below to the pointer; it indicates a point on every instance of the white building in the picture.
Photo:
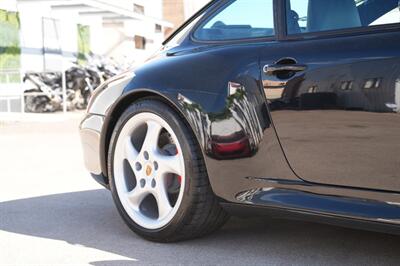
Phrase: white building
(126, 30)
(192, 6)
(178, 11)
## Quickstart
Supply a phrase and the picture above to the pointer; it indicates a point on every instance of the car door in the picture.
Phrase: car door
(333, 91)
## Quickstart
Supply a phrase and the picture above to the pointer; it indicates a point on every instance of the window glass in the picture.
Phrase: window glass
(138, 9)
(324, 15)
(241, 19)
(182, 34)
(391, 17)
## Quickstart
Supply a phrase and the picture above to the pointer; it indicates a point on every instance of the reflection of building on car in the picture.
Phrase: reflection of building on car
(340, 91)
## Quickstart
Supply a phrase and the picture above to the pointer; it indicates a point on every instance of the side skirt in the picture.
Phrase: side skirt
(246, 211)
(321, 202)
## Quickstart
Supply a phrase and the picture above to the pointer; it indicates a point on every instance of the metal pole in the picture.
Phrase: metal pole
(64, 86)
(22, 103)
(43, 45)
(8, 105)
(22, 91)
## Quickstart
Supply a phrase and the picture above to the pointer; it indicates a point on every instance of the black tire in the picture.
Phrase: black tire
(200, 212)
(36, 104)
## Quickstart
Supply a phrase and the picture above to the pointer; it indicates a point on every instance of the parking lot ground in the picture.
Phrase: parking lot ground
(53, 213)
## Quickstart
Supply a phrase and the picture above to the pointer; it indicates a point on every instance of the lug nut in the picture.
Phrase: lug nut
(138, 166)
(142, 183)
(153, 183)
(146, 155)
(155, 166)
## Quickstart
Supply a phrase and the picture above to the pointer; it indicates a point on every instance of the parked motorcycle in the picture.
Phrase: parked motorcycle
(44, 91)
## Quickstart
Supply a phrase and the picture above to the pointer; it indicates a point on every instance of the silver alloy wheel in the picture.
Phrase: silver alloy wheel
(144, 171)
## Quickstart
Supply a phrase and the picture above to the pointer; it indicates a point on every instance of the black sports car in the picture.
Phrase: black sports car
(280, 107)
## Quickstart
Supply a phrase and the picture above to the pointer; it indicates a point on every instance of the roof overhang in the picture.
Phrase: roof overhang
(98, 8)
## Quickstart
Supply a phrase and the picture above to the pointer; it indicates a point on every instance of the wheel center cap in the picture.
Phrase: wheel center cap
(149, 170)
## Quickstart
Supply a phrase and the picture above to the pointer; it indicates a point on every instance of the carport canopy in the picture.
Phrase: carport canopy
(98, 8)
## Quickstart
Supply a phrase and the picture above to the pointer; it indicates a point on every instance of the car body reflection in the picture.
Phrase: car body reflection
(234, 133)
(337, 121)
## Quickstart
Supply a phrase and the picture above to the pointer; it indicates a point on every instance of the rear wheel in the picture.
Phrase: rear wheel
(158, 178)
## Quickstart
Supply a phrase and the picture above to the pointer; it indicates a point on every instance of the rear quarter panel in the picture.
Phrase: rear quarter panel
(217, 91)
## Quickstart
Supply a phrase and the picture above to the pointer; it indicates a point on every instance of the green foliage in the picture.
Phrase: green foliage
(83, 43)
(10, 51)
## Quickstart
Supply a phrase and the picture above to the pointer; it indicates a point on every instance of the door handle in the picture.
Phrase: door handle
(275, 69)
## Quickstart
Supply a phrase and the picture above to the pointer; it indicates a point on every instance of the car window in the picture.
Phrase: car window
(391, 17)
(304, 16)
(178, 38)
(240, 19)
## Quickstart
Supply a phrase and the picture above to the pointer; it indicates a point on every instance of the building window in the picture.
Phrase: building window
(140, 42)
(158, 28)
(138, 9)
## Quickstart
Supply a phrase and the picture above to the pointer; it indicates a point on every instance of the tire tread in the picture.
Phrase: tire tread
(205, 215)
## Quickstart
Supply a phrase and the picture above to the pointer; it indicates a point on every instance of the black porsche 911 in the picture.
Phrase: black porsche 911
(289, 108)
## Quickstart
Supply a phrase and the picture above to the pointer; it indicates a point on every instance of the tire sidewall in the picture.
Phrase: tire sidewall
(180, 129)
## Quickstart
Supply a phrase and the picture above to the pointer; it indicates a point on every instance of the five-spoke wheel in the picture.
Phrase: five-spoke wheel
(148, 170)
(158, 177)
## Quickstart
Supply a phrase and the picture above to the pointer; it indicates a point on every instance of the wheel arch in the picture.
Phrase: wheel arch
(120, 106)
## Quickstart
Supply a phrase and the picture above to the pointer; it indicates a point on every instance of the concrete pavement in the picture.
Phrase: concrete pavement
(52, 213)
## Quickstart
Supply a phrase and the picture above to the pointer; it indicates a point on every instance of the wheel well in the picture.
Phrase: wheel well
(116, 113)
